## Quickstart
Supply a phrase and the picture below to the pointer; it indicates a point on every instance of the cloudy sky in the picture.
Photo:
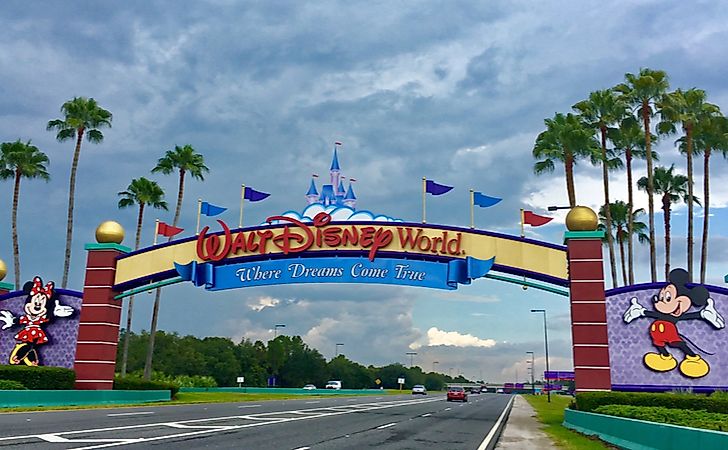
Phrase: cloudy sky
(455, 91)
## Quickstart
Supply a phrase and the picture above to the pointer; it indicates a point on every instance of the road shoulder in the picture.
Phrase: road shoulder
(523, 430)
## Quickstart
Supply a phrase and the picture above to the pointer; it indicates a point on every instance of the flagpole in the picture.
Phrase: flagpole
(424, 200)
(242, 203)
(523, 234)
(156, 231)
(199, 211)
(472, 214)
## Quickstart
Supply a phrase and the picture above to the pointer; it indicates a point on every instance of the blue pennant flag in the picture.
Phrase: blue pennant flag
(484, 201)
(253, 195)
(210, 210)
(199, 274)
(435, 188)
(463, 271)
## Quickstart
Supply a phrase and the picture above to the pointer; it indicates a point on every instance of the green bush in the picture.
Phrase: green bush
(659, 414)
(179, 380)
(40, 377)
(11, 385)
(717, 402)
(131, 383)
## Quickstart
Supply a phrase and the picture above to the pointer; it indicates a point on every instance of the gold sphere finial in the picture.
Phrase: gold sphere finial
(109, 232)
(582, 218)
(3, 270)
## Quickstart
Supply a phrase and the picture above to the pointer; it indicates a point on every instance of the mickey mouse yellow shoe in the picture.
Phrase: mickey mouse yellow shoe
(694, 367)
(660, 363)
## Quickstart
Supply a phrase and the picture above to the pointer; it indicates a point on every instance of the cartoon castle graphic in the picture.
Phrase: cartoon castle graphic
(334, 193)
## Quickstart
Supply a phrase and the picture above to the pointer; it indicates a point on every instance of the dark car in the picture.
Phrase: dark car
(475, 390)
(457, 393)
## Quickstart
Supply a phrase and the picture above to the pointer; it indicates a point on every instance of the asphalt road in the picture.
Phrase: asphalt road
(386, 422)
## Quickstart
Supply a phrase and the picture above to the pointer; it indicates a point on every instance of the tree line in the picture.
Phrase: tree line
(287, 358)
(614, 127)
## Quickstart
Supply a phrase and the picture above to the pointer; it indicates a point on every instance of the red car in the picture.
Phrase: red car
(457, 393)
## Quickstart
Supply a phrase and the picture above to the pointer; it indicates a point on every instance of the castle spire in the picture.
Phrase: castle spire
(312, 196)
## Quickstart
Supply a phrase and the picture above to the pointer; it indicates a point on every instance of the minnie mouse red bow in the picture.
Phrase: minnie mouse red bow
(39, 289)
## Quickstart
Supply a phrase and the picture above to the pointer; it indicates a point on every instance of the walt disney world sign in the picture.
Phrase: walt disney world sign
(321, 250)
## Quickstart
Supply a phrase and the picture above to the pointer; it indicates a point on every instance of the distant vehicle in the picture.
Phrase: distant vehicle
(309, 387)
(500, 391)
(333, 384)
(475, 390)
(457, 393)
(419, 389)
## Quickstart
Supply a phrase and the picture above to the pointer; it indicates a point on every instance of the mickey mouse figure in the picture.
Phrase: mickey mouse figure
(39, 310)
(671, 306)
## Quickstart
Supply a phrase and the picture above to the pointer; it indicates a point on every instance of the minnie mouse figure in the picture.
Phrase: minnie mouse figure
(39, 310)
(671, 306)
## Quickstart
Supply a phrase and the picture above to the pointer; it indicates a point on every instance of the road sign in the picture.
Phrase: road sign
(378, 381)
(400, 380)
(241, 380)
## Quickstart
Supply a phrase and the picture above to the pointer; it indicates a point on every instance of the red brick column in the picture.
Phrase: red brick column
(588, 311)
(98, 329)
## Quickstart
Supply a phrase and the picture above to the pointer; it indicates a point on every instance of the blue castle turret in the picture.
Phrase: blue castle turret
(333, 193)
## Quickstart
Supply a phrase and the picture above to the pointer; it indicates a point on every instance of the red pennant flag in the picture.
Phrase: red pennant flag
(168, 230)
(534, 219)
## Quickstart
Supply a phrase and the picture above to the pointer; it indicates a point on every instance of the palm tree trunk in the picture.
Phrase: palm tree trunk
(650, 190)
(630, 219)
(607, 209)
(125, 350)
(569, 170)
(16, 251)
(71, 197)
(706, 213)
(620, 238)
(689, 139)
(158, 293)
(666, 209)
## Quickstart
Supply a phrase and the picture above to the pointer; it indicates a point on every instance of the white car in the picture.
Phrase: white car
(419, 389)
(333, 385)
(309, 387)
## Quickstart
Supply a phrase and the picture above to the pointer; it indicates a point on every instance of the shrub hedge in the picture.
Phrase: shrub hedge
(40, 377)
(11, 385)
(590, 401)
(660, 414)
(130, 383)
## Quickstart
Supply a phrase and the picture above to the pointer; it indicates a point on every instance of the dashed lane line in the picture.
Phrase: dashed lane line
(387, 426)
(140, 413)
(249, 406)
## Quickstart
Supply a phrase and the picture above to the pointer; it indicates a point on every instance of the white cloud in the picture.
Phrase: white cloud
(437, 337)
(265, 302)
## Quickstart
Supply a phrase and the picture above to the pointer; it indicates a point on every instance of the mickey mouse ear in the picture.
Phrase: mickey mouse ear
(679, 276)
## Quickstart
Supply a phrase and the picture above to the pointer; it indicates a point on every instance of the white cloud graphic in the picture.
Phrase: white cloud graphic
(338, 214)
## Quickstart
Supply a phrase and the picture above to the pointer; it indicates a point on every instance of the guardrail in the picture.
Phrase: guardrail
(34, 398)
(639, 434)
(289, 391)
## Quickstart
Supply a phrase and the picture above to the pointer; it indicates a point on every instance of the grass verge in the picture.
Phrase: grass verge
(189, 398)
(552, 416)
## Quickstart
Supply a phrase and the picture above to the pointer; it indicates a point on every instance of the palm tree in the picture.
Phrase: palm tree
(20, 160)
(183, 160)
(620, 219)
(673, 188)
(641, 91)
(710, 134)
(602, 110)
(80, 116)
(140, 192)
(565, 140)
(629, 140)
(686, 108)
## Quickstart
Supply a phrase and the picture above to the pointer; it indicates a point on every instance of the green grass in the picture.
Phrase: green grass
(188, 398)
(552, 416)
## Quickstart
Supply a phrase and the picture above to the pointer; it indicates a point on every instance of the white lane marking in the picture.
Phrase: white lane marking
(491, 434)
(257, 419)
(302, 448)
(311, 403)
(378, 398)
(249, 406)
(387, 426)
(140, 413)
(426, 415)
(448, 409)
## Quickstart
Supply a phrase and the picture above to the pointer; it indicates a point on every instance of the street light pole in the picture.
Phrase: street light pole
(275, 329)
(337, 350)
(433, 364)
(533, 369)
(546, 344)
